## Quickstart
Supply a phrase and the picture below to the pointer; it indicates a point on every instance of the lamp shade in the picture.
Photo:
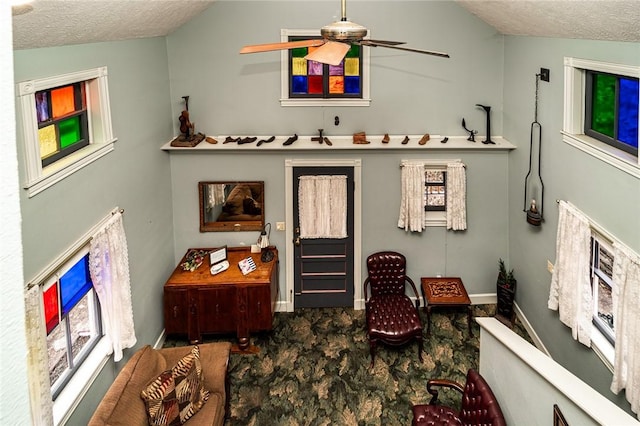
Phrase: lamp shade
(263, 239)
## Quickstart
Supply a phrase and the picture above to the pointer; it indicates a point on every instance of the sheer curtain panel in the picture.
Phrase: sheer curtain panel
(456, 197)
(570, 292)
(322, 206)
(109, 267)
(412, 214)
(38, 360)
(626, 314)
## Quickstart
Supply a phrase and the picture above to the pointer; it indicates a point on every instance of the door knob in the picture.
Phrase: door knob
(297, 241)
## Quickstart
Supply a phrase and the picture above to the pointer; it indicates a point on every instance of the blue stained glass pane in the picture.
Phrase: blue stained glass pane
(299, 84)
(74, 284)
(352, 85)
(628, 112)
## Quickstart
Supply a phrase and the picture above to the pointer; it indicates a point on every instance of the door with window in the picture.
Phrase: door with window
(323, 267)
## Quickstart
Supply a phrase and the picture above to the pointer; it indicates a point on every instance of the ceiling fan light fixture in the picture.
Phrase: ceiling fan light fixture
(343, 31)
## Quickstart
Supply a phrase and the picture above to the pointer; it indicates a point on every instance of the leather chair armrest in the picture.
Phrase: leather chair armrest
(415, 291)
(445, 383)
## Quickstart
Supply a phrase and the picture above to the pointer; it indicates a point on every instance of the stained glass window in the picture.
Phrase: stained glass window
(612, 110)
(310, 79)
(72, 320)
(435, 190)
(62, 121)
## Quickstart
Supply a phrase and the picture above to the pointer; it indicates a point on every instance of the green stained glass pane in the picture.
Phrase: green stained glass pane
(354, 52)
(603, 104)
(69, 132)
(299, 52)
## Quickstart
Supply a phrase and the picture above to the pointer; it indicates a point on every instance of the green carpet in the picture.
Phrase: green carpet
(313, 369)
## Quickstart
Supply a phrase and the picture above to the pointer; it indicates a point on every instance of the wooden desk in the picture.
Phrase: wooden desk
(197, 303)
(444, 292)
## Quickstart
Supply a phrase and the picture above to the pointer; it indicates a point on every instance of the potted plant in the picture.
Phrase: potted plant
(506, 292)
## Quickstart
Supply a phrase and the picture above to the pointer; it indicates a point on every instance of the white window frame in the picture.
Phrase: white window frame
(72, 392)
(437, 218)
(600, 344)
(286, 101)
(575, 71)
(101, 139)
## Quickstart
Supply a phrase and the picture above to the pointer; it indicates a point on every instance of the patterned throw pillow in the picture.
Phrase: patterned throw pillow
(177, 394)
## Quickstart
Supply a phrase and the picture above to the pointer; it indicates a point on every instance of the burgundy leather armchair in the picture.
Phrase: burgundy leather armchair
(479, 405)
(391, 316)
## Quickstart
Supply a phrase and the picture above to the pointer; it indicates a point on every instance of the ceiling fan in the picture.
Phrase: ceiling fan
(336, 40)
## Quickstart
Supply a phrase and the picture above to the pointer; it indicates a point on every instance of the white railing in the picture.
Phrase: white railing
(528, 383)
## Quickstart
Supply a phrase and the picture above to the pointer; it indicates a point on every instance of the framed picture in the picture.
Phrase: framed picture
(218, 255)
(558, 418)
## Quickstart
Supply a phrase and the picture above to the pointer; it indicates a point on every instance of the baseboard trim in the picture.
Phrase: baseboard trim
(476, 299)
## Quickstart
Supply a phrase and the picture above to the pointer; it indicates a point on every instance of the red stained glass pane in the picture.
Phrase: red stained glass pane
(315, 84)
(62, 101)
(50, 300)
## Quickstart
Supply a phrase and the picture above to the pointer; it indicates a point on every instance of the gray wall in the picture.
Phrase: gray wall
(135, 176)
(606, 194)
(412, 94)
(435, 251)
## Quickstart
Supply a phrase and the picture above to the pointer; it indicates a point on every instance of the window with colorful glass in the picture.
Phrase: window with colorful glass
(311, 79)
(62, 121)
(73, 321)
(611, 110)
(435, 193)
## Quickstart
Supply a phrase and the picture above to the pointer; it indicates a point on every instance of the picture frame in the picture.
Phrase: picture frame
(218, 255)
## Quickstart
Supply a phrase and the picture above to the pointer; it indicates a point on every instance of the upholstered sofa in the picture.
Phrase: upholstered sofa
(123, 405)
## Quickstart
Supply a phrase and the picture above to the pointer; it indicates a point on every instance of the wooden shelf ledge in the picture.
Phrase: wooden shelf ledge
(341, 143)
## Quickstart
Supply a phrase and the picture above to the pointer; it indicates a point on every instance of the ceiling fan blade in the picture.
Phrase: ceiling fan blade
(255, 48)
(388, 42)
(332, 53)
(408, 49)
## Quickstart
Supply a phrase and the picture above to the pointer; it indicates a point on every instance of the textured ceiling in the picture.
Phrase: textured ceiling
(614, 20)
(63, 22)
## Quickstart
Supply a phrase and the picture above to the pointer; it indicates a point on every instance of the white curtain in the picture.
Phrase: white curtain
(626, 314)
(570, 291)
(38, 360)
(322, 206)
(412, 214)
(456, 197)
(109, 267)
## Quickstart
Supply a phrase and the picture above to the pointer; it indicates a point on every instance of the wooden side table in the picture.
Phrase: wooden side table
(197, 303)
(449, 292)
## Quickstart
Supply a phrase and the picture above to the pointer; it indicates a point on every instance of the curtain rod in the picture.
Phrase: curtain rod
(72, 250)
(429, 162)
(595, 226)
